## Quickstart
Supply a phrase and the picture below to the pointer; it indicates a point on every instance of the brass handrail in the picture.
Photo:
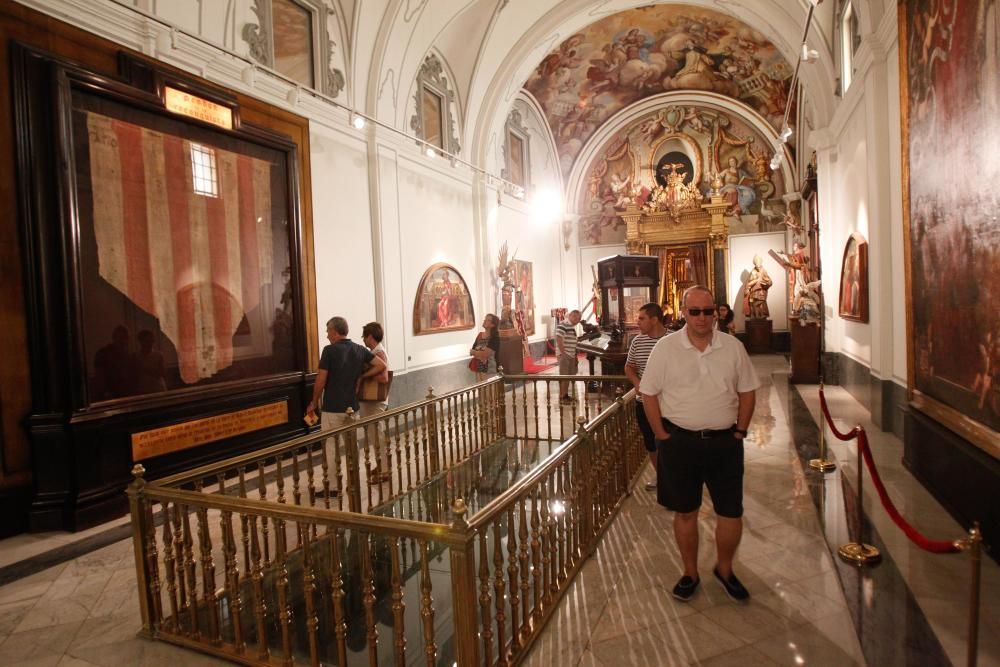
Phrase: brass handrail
(498, 504)
(437, 532)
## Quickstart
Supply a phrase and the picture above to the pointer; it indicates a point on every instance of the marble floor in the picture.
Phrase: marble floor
(72, 599)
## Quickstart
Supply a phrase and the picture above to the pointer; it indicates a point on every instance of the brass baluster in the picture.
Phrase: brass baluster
(537, 566)
(309, 593)
(190, 573)
(524, 409)
(259, 602)
(370, 482)
(171, 623)
(545, 537)
(499, 587)
(311, 481)
(296, 490)
(525, 571)
(462, 564)
(398, 605)
(548, 408)
(152, 563)
(244, 521)
(281, 584)
(561, 522)
(182, 595)
(413, 455)
(427, 607)
(208, 577)
(537, 410)
(484, 598)
(368, 597)
(337, 594)
(447, 435)
(513, 576)
(431, 442)
(338, 458)
(280, 477)
(233, 581)
(324, 463)
(265, 536)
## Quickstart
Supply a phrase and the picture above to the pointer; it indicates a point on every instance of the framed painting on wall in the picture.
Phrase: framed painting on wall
(525, 283)
(854, 280)
(950, 107)
(443, 302)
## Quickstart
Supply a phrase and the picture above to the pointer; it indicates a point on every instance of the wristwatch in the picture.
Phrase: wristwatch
(740, 431)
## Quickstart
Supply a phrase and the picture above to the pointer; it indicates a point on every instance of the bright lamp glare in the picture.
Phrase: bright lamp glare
(430, 152)
(358, 122)
(546, 205)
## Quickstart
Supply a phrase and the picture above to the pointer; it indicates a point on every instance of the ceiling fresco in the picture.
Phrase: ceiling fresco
(625, 57)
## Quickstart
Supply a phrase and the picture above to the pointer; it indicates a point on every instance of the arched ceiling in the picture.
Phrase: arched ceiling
(493, 47)
(631, 55)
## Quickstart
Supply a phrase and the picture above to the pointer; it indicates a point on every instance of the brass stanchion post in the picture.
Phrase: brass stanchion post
(822, 464)
(140, 530)
(859, 553)
(353, 464)
(463, 585)
(974, 544)
(431, 423)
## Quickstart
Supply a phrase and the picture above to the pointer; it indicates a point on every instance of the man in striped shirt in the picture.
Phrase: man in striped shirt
(651, 329)
(566, 351)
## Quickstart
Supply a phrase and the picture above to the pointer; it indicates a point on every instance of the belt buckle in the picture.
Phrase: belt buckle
(706, 434)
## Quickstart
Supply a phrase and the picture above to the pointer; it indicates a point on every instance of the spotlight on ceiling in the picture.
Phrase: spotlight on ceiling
(358, 121)
(293, 96)
(430, 152)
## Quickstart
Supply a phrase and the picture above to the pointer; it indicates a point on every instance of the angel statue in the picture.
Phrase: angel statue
(807, 303)
(505, 274)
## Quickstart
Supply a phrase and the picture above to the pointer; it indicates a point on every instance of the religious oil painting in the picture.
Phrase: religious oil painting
(525, 284)
(443, 302)
(854, 280)
(950, 55)
(184, 252)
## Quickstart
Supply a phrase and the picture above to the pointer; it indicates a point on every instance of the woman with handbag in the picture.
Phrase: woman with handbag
(377, 445)
(485, 347)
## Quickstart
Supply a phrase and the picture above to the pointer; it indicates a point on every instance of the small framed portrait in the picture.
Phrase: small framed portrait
(854, 280)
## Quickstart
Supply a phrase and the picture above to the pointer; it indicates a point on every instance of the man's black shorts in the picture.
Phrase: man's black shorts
(647, 431)
(686, 462)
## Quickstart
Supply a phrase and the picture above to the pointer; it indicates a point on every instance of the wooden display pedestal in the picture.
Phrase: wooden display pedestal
(805, 353)
(758, 336)
(511, 352)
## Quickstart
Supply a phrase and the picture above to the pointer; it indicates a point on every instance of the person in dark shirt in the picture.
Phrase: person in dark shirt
(342, 364)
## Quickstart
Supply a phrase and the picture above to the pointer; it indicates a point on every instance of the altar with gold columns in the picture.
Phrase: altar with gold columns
(677, 235)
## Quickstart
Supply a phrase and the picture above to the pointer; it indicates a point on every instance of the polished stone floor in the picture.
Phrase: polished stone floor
(72, 599)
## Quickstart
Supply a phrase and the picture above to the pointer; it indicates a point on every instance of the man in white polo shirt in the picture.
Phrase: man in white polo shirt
(698, 392)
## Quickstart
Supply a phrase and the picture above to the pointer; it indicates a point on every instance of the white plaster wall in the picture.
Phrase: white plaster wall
(742, 249)
(845, 211)
(343, 242)
(435, 225)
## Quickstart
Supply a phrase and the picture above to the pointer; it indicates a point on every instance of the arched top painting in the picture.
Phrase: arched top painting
(443, 302)
(854, 280)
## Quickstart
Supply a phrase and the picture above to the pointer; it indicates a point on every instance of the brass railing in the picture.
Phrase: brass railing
(256, 560)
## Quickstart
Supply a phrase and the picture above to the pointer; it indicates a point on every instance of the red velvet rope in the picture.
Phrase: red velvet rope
(934, 546)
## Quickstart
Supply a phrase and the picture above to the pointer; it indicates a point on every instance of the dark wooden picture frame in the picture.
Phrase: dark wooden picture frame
(442, 294)
(854, 280)
(949, 109)
(84, 444)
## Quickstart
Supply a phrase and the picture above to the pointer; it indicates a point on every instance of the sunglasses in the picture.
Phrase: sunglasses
(695, 312)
